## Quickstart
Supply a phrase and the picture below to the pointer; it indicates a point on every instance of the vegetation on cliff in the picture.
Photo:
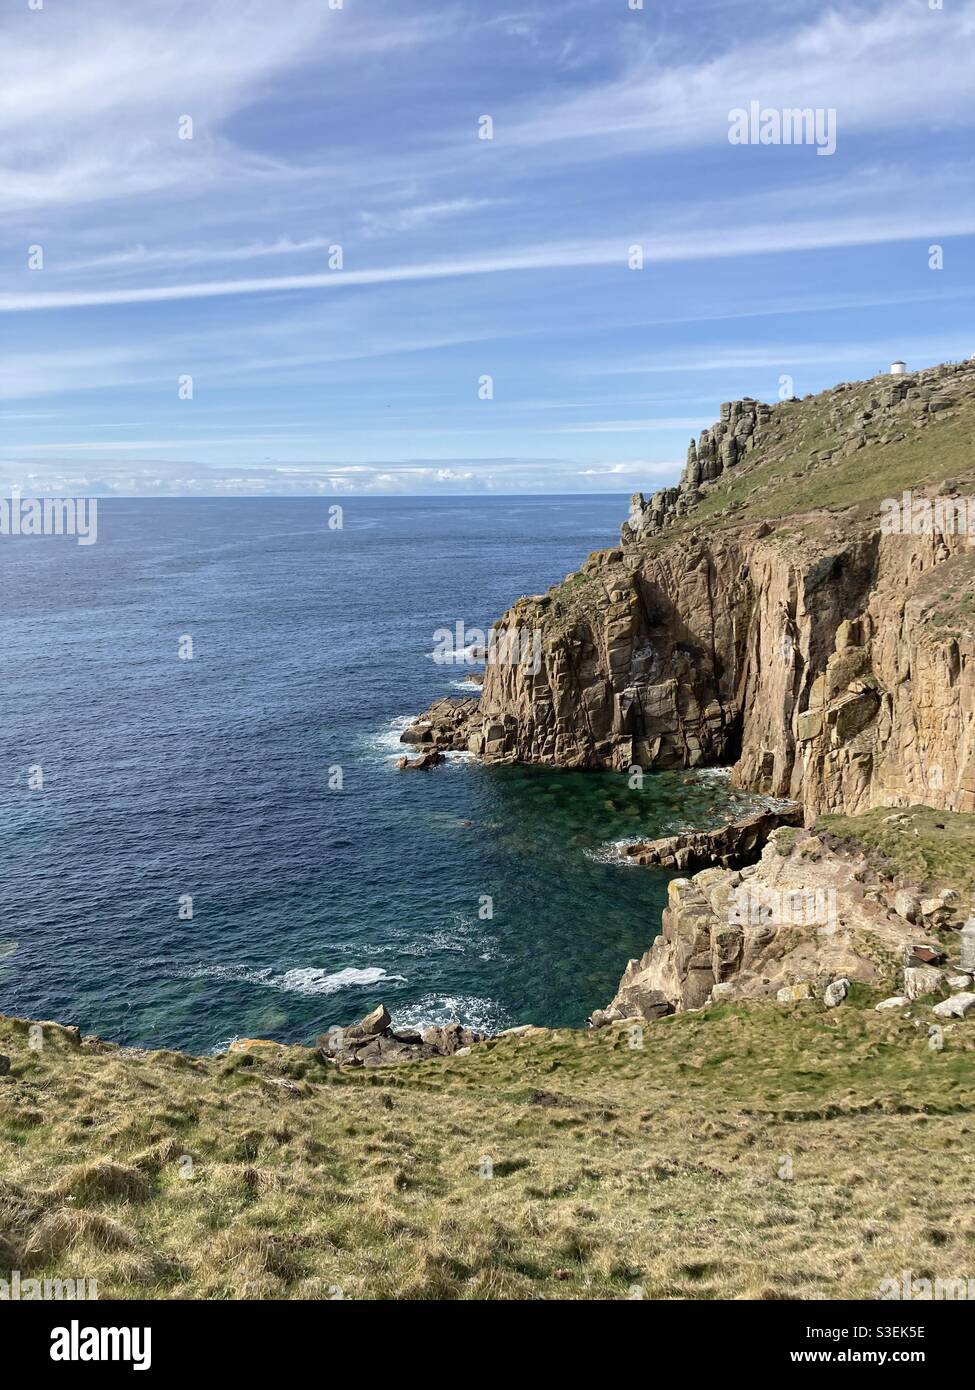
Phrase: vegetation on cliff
(759, 1151)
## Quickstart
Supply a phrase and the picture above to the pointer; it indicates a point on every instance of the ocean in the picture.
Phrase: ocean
(179, 865)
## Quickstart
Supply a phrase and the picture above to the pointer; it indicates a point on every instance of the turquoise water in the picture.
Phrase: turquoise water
(210, 778)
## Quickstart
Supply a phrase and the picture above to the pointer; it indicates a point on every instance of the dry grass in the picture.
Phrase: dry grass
(613, 1167)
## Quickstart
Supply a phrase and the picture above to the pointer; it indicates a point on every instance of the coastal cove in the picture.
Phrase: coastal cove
(312, 649)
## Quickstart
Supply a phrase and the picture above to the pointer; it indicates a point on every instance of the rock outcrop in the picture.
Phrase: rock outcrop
(802, 920)
(737, 433)
(733, 846)
(376, 1043)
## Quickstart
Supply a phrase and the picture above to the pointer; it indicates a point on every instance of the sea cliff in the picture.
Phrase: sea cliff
(771, 612)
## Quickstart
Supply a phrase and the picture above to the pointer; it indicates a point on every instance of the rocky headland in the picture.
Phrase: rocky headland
(766, 614)
(801, 605)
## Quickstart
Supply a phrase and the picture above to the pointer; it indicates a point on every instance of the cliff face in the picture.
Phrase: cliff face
(829, 656)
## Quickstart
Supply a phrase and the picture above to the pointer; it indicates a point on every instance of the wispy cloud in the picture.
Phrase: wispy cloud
(765, 239)
(410, 219)
(464, 259)
(91, 97)
(882, 69)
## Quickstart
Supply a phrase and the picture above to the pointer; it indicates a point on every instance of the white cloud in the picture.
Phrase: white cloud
(91, 95)
(411, 219)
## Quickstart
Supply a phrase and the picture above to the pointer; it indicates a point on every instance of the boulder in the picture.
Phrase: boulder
(958, 1006)
(921, 979)
(599, 1018)
(426, 760)
(906, 905)
(836, 993)
(794, 994)
(376, 1022)
(896, 1001)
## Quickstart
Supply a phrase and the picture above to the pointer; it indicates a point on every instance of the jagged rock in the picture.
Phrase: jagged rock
(376, 1022)
(374, 1042)
(959, 982)
(422, 763)
(445, 726)
(800, 915)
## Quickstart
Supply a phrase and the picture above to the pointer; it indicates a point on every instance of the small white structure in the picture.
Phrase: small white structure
(898, 368)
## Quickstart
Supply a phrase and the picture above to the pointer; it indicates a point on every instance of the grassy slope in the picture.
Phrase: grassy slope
(782, 478)
(933, 849)
(613, 1166)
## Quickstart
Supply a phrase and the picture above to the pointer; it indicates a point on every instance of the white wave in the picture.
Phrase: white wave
(467, 685)
(387, 740)
(306, 979)
(434, 1010)
(711, 774)
(473, 655)
(612, 853)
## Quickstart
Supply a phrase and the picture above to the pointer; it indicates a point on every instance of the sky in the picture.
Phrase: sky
(263, 246)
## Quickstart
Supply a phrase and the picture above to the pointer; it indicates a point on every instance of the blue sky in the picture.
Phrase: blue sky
(313, 127)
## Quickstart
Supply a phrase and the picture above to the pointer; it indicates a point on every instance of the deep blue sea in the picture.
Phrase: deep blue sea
(209, 778)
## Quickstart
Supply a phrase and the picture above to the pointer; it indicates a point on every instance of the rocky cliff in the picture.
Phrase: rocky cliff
(773, 611)
(805, 916)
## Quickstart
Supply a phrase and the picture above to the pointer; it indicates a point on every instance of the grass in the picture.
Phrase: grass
(933, 849)
(614, 1168)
